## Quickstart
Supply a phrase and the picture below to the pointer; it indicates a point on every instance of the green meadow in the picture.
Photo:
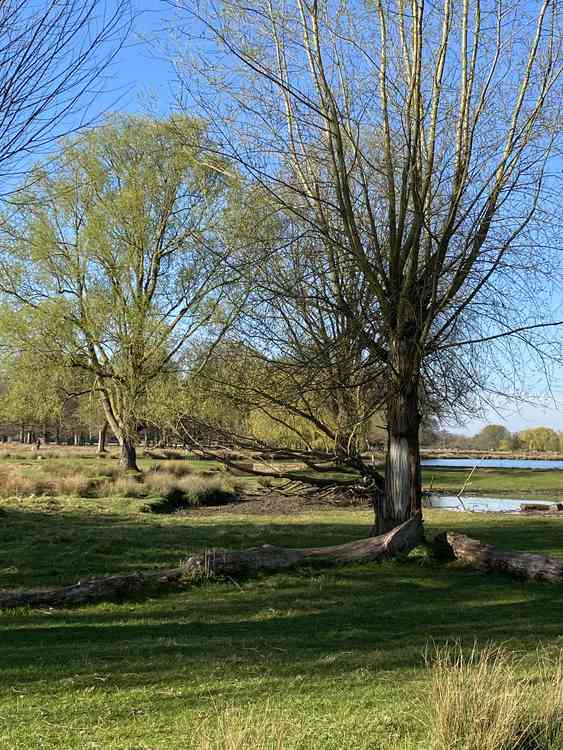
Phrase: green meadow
(318, 657)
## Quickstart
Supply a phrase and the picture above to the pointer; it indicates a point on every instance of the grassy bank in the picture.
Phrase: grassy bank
(525, 483)
(315, 658)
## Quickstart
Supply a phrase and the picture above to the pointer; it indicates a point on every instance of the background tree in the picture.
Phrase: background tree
(114, 260)
(411, 141)
(539, 439)
(491, 437)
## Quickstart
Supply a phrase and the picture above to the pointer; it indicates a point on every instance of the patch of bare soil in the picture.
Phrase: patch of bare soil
(279, 505)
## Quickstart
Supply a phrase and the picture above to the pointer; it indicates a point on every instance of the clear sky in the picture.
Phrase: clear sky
(143, 79)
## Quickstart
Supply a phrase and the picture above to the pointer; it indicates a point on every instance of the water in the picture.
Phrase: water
(493, 463)
(483, 504)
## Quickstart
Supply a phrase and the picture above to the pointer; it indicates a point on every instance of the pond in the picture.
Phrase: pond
(482, 504)
(493, 463)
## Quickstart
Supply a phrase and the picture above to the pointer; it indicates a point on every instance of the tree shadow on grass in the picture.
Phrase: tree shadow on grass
(46, 549)
(39, 548)
(520, 533)
(314, 625)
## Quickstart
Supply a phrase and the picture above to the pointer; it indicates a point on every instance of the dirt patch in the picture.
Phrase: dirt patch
(279, 505)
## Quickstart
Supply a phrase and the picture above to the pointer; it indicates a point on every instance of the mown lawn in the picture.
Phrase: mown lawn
(316, 658)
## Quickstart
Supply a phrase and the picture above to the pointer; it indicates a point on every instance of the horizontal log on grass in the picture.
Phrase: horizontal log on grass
(487, 557)
(399, 541)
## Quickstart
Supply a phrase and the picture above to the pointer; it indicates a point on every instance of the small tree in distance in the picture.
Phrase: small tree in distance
(491, 437)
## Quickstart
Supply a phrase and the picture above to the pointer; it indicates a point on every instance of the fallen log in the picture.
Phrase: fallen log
(398, 541)
(487, 557)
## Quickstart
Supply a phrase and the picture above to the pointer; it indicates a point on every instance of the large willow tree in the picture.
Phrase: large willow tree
(410, 141)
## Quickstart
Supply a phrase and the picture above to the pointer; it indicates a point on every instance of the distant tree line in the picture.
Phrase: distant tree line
(494, 437)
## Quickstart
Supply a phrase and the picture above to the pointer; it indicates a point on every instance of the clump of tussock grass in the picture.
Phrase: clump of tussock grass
(190, 491)
(75, 485)
(123, 486)
(176, 468)
(480, 702)
(15, 483)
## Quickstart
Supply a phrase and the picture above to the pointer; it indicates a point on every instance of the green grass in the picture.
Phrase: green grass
(331, 658)
(525, 483)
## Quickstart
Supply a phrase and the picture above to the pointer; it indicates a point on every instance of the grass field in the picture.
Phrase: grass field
(526, 483)
(315, 658)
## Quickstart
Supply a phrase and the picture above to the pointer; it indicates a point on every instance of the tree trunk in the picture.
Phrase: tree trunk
(400, 541)
(402, 496)
(102, 435)
(487, 557)
(128, 454)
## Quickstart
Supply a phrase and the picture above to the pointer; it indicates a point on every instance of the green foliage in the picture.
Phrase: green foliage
(114, 259)
(540, 439)
(491, 437)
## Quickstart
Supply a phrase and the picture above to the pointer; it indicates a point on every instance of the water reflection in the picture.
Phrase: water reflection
(483, 504)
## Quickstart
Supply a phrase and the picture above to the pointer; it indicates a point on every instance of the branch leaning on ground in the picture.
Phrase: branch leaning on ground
(399, 541)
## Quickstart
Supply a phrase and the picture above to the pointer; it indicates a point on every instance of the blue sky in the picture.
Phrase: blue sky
(142, 79)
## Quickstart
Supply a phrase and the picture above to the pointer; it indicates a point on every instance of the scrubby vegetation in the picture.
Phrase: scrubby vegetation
(485, 700)
(170, 485)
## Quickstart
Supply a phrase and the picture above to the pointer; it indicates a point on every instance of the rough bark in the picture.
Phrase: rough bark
(399, 541)
(128, 454)
(102, 436)
(487, 557)
(402, 496)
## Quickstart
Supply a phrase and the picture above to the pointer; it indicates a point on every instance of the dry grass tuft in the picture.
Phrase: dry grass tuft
(15, 482)
(176, 468)
(479, 702)
(174, 483)
(242, 730)
(123, 486)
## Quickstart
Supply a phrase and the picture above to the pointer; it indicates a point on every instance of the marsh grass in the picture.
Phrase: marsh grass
(480, 701)
(17, 482)
(174, 467)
